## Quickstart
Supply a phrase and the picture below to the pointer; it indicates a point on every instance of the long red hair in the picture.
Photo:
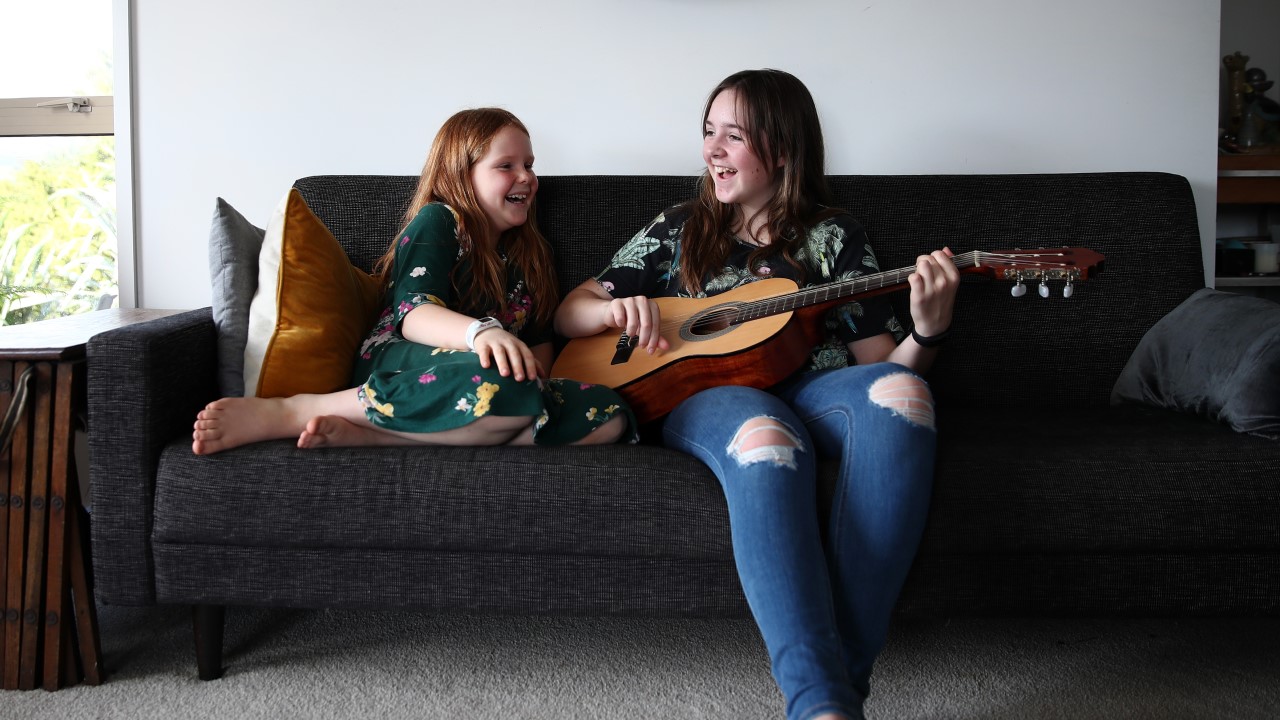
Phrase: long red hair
(446, 177)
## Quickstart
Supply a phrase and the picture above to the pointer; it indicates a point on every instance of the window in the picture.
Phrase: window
(58, 213)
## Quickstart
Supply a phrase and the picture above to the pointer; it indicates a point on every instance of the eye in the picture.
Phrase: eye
(707, 133)
(735, 138)
(528, 166)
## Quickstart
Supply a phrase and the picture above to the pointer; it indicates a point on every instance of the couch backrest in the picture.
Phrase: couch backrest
(1014, 354)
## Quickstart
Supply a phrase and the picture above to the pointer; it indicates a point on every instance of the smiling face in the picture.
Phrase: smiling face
(504, 181)
(738, 173)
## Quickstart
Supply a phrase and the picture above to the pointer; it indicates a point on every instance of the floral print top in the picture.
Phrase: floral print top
(410, 387)
(426, 255)
(835, 249)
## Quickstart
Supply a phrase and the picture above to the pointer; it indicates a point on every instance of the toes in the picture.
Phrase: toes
(320, 432)
(207, 422)
(206, 432)
(314, 436)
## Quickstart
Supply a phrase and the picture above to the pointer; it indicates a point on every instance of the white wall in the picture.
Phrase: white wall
(240, 98)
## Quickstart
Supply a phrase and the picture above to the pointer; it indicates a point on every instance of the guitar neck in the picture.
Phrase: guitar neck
(857, 287)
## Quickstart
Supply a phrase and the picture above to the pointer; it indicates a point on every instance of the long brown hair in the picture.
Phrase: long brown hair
(446, 177)
(780, 125)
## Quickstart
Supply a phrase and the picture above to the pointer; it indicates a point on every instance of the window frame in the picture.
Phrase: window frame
(111, 115)
(46, 116)
(127, 239)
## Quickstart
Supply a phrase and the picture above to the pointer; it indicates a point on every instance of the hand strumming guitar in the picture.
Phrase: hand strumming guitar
(637, 316)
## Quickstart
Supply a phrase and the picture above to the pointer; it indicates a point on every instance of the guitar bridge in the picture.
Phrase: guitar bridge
(622, 351)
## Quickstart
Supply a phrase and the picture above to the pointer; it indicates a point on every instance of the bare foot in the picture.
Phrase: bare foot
(333, 431)
(232, 422)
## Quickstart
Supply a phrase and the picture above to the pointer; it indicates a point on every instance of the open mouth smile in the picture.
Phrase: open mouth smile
(723, 172)
(517, 198)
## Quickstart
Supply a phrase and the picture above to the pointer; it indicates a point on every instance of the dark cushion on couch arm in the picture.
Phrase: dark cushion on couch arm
(1216, 355)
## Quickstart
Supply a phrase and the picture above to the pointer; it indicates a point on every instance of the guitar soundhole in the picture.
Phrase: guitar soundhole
(710, 323)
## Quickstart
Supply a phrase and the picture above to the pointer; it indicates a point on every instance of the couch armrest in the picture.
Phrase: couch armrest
(146, 383)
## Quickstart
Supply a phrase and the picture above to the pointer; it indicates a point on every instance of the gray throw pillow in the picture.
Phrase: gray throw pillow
(234, 245)
(1216, 355)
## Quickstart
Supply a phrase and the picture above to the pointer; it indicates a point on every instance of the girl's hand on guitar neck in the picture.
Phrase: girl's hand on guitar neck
(933, 297)
(933, 292)
(640, 318)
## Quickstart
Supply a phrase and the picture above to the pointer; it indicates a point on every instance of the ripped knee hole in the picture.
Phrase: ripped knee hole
(906, 396)
(765, 439)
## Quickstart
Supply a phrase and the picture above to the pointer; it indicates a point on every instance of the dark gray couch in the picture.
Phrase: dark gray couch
(1047, 500)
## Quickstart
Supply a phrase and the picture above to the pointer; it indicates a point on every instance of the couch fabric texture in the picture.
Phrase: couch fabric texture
(1048, 500)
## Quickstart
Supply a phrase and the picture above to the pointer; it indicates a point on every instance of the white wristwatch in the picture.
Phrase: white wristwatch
(478, 326)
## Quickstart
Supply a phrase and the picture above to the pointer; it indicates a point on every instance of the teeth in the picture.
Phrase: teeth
(517, 198)
(721, 170)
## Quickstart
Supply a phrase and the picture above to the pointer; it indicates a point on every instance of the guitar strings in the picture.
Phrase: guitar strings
(754, 309)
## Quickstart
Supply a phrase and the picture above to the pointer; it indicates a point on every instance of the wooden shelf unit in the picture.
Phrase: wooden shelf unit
(1245, 180)
(1248, 179)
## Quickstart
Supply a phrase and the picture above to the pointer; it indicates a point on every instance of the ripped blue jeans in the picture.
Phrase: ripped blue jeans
(823, 610)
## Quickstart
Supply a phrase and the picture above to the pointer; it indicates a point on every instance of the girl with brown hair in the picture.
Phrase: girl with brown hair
(821, 588)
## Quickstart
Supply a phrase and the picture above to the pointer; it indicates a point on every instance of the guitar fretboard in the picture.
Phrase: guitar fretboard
(1030, 261)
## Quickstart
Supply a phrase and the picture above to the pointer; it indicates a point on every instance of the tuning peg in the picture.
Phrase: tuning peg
(1018, 290)
(1068, 290)
(1044, 289)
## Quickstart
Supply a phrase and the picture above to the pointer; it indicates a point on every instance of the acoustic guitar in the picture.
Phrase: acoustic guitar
(760, 333)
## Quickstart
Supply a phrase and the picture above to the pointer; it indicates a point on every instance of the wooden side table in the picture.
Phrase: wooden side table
(50, 625)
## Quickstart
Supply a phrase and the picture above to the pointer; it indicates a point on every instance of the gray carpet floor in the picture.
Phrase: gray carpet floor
(348, 664)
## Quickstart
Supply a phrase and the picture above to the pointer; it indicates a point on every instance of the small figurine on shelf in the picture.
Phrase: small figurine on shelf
(1235, 64)
(1260, 126)
(1252, 118)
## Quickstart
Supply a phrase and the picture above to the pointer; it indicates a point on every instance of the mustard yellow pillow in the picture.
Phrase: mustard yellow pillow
(311, 310)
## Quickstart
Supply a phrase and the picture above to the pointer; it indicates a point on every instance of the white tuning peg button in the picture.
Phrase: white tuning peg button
(1068, 291)
(1044, 289)
(1018, 290)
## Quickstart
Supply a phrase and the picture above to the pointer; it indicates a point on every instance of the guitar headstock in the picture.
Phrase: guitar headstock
(1042, 264)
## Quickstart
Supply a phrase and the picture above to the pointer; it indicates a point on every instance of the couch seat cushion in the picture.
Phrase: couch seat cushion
(1128, 479)
(612, 501)
(1113, 480)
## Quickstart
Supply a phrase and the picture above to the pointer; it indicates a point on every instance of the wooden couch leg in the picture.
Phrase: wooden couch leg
(208, 621)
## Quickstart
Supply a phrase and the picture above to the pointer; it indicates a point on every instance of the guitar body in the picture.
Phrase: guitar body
(759, 353)
(758, 334)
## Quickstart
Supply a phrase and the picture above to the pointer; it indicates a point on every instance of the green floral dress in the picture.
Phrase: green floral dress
(410, 387)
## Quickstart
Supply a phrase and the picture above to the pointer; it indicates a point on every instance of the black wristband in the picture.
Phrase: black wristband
(932, 340)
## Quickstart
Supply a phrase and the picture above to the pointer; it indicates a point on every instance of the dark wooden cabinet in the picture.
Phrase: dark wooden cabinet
(49, 629)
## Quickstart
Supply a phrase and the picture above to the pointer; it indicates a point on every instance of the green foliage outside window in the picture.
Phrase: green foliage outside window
(58, 234)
